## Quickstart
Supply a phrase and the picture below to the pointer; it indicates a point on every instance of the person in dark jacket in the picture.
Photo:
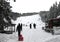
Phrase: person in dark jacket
(30, 26)
(19, 29)
(34, 25)
(21, 26)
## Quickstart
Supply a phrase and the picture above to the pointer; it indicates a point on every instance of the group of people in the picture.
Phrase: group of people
(19, 28)
(34, 25)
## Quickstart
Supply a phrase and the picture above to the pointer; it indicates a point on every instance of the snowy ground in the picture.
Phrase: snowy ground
(30, 35)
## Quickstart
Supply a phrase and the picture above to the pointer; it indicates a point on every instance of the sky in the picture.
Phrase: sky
(24, 6)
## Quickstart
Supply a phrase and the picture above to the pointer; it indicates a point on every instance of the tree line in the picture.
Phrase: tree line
(54, 10)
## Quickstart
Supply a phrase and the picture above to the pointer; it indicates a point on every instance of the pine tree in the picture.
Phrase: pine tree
(59, 8)
(4, 13)
(54, 11)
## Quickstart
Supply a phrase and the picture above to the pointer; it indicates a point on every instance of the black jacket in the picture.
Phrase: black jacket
(19, 27)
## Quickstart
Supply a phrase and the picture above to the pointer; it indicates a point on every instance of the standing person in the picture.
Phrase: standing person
(30, 26)
(21, 26)
(34, 25)
(19, 30)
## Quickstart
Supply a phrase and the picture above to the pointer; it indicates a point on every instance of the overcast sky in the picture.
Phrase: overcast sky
(23, 6)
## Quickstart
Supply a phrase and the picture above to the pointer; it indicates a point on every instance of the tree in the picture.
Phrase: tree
(54, 11)
(59, 8)
(4, 13)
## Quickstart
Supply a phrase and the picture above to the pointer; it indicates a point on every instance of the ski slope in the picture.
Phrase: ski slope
(34, 35)
(30, 35)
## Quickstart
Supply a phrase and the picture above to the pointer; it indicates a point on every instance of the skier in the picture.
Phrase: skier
(30, 26)
(21, 26)
(34, 25)
(19, 29)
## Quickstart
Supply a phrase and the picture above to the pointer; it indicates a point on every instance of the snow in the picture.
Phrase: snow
(58, 16)
(30, 35)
